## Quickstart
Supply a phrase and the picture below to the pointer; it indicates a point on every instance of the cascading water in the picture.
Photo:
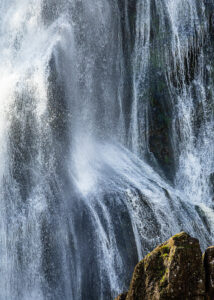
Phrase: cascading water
(107, 146)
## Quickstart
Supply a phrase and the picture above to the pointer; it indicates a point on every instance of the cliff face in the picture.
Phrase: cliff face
(174, 270)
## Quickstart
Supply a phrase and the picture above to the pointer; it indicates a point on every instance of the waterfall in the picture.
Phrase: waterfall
(107, 146)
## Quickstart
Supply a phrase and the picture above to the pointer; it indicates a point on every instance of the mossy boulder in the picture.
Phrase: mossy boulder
(174, 270)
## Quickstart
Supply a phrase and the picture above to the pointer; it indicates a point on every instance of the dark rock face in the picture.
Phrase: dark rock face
(174, 270)
(209, 267)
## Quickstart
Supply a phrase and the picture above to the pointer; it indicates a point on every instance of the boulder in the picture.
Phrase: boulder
(174, 270)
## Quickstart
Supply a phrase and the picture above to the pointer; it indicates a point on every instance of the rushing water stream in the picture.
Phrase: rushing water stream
(107, 140)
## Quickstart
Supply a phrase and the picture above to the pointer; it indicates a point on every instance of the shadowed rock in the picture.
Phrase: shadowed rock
(209, 269)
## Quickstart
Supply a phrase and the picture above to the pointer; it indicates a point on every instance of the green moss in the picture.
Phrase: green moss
(165, 249)
(165, 255)
(148, 255)
(179, 235)
(162, 274)
(164, 281)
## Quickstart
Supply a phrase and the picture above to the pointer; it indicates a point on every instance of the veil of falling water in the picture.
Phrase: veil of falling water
(107, 145)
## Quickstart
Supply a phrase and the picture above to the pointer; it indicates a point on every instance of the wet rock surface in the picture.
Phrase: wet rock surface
(174, 270)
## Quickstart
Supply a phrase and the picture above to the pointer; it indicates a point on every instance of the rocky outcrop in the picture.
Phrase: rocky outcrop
(174, 270)
(209, 267)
